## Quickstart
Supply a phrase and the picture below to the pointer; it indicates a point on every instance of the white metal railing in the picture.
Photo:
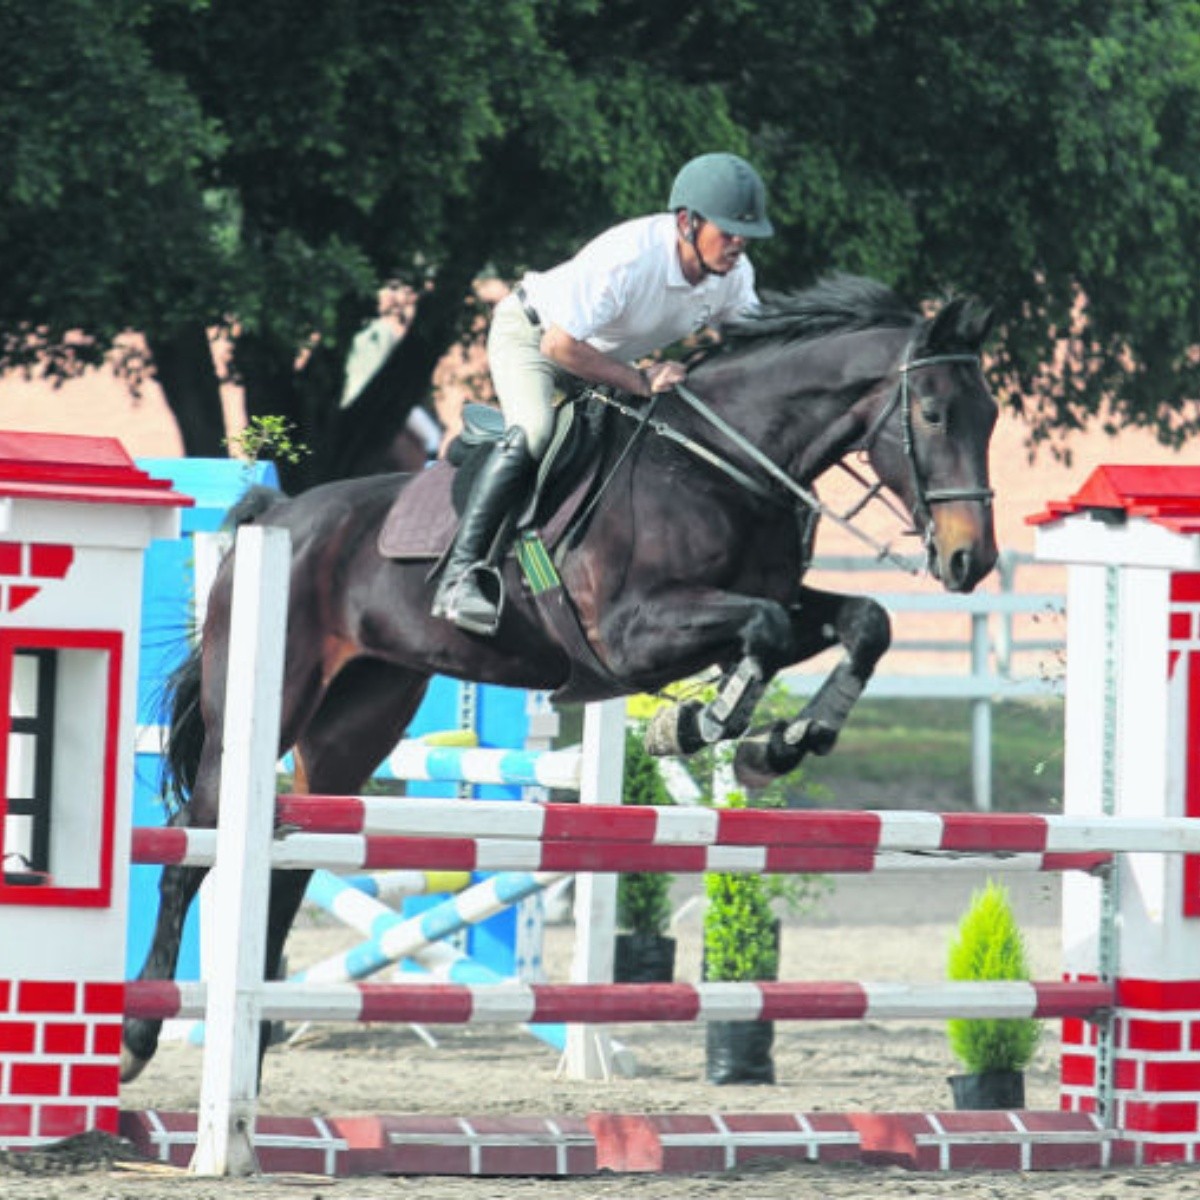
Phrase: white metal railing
(988, 658)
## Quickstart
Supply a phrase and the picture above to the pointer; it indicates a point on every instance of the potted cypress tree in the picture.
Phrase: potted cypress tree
(995, 1051)
(741, 943)
(644, 952)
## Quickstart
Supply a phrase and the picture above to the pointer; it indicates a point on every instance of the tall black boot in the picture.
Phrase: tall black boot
(501, 485)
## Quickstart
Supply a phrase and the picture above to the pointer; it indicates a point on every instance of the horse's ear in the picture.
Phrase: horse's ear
(962, 324)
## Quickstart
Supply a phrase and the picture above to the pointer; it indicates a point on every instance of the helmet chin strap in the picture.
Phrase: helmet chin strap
(690, 238)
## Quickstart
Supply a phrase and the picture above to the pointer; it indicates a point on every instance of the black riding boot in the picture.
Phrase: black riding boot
(501, 485)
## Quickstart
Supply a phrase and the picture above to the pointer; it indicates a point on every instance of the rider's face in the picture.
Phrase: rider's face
(720, 251)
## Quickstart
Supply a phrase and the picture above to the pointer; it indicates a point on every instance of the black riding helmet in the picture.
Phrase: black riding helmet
(726, 190)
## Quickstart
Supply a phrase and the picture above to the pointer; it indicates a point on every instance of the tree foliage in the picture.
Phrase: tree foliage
(192, 165)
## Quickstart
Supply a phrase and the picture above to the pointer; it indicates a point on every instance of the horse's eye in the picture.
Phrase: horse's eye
(934, 414)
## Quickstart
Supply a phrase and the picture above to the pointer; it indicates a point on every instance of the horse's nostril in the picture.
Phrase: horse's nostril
(958, 575)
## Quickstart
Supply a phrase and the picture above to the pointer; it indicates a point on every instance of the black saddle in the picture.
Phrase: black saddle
(574, 452)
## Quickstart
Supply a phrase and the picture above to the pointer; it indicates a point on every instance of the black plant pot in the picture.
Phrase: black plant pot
(643, 958)
(739, 1052)
(989, 1090)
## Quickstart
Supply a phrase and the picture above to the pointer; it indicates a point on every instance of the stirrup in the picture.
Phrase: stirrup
(480, 623)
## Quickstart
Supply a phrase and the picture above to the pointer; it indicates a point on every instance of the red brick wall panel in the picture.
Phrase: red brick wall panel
(61, 1037)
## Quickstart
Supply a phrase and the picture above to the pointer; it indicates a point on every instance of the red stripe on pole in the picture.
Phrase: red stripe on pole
(621, 856)
(152, 999)
(616, 1003)
(608, 822)
(165, 846)
(429, 854)
(1072, 999)
(1082, 861)
(445, 1004)
(813, 1001)
(321, 814)
(995, 831)
(750, 827)
(846, 859)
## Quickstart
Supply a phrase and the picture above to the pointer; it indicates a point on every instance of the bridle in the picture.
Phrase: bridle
(924, 498)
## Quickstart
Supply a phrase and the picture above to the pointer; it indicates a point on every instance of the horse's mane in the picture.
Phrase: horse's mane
(836, 304)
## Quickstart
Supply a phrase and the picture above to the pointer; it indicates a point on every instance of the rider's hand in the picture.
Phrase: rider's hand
(663, 376)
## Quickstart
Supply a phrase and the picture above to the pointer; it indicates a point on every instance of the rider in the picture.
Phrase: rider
(631, 291)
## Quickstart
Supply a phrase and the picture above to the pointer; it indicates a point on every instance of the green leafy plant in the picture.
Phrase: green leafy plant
(643, 897)
(989, 945)
(741, 939)
(268, 437)
(741, 925)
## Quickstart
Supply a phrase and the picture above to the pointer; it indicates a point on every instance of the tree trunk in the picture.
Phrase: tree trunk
(183, 364)
(358, 439)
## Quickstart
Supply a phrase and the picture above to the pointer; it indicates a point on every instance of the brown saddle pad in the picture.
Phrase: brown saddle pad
(420, 524)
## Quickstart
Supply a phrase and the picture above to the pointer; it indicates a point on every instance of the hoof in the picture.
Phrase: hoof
(763, 757)
(132, 1065)
(675, 731)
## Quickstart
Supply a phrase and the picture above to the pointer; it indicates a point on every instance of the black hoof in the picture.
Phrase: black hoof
(763, 757)
(675, 731)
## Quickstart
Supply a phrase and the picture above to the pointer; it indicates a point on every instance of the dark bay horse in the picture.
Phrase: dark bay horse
(684, 564)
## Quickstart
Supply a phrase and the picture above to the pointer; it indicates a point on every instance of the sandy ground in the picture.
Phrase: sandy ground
(889, 927)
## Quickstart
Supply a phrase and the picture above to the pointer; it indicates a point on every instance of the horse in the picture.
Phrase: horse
(691, 557)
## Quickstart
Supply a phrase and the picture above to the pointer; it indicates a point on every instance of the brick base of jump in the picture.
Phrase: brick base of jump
(665, 1144)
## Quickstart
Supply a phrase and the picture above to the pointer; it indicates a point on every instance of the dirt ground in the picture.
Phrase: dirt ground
(888, 927)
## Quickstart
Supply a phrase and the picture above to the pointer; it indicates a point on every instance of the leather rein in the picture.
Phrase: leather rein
(900, 398)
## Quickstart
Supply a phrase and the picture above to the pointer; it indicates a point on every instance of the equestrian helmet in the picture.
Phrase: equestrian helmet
(726, 190)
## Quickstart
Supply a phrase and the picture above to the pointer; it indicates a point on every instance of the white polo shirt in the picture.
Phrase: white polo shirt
(625, 293)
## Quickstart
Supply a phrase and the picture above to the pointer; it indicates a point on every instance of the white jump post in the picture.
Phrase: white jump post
(229, 1084)
(1131, 539)
(588, 1053)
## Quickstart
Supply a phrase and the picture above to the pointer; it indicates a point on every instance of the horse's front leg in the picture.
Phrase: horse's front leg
(707, 626)
(820, 620)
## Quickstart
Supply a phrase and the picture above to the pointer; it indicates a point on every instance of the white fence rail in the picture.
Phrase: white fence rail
(988, 658)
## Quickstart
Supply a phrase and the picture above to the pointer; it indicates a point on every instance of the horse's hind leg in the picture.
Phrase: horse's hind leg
(364, 714)
(821, 620)
(177, 888)
(195, 741)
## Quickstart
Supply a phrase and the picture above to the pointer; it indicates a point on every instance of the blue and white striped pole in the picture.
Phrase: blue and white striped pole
(392, 937)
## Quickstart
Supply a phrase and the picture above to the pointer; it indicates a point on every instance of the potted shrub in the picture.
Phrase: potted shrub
(995, 1051)
(643, 952)
(741, 944)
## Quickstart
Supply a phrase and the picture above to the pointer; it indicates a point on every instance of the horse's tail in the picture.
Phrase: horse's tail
(181, 689)
(185, 731)
(254, 501)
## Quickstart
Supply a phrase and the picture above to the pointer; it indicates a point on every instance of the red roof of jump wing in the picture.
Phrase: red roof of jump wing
(87, 470)
(1167, 495)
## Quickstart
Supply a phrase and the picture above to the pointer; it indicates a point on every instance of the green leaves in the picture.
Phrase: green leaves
(989, 946)
(643, 897)
(1045, 157)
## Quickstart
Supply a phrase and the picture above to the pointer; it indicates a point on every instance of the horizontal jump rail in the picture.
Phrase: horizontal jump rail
(976, 833)
(353, 852)
(412, 760)
(599, 1003)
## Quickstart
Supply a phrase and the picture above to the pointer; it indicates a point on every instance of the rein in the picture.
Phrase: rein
(901, 396)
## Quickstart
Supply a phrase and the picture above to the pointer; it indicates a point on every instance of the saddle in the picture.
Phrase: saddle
(422, 521)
